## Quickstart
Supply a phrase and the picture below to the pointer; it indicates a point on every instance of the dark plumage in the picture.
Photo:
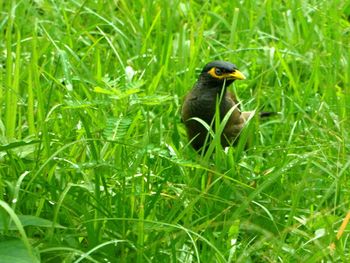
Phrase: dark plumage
(200, 103)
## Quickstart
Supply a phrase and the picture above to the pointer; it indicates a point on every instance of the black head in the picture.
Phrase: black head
(217, 74)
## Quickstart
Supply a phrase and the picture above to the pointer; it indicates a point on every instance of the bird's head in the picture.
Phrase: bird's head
(218, 74)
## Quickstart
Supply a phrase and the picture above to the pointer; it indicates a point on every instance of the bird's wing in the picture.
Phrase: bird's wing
(234, 99)
(247, 115)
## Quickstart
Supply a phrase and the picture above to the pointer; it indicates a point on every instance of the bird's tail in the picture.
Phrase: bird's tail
(246, 115)
(264, 114)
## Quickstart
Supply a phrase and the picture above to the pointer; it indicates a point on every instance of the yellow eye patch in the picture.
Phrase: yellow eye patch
(219, 74)
(214, 73)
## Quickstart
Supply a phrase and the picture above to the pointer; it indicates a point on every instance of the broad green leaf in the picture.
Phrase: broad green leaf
(14, 251)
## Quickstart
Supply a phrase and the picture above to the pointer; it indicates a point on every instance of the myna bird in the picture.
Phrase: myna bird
(201, 101)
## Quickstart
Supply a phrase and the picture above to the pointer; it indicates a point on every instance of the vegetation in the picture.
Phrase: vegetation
(95, 163)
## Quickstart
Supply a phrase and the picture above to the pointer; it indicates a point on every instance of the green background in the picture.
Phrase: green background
(95, 165)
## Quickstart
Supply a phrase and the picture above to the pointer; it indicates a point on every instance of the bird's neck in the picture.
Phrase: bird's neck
(213, 86)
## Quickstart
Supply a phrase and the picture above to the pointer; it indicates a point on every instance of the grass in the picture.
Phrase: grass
(95, 163)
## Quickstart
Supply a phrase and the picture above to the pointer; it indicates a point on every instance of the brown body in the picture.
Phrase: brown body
(201, 103)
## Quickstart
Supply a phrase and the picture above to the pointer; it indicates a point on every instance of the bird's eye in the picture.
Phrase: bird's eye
(218, 72)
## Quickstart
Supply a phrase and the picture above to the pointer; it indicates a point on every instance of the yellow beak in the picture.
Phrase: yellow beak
(236, 75)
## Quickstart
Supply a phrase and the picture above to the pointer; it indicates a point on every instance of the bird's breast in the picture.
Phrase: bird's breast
(203, 108)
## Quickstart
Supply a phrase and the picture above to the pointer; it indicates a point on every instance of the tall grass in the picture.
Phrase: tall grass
(95, 163)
